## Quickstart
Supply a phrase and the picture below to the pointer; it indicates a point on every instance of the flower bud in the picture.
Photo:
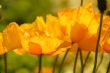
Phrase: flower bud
(102, 5)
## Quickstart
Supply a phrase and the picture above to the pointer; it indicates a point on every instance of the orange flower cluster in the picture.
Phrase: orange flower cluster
(72, 28)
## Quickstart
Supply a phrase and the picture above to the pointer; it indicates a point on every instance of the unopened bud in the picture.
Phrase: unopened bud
(102, 5)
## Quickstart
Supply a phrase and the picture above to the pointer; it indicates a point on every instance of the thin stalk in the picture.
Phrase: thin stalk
(5, 63)
(87, 57)
(108, 68)
(100, 62)
(81, 59)
(75, 62)
(97, 45)
(40, 64)
(54, 66)
(62, 62)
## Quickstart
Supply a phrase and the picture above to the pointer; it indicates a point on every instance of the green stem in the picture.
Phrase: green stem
(100, 62)
(108, 68)
(56, 58)
(5, 63)
(62, 62)
(87, 57)
(97, 45)
(83, 65)
(81, 59)
(40, 64)
(75, 62)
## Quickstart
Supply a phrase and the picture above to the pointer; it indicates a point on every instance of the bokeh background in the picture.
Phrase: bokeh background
(22, 11)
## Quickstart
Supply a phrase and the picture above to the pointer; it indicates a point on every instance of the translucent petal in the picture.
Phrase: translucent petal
(12, 36)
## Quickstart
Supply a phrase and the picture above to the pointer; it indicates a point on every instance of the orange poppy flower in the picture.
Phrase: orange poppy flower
(82, 25)
(79, 24)
(89, 41)
(106, 46)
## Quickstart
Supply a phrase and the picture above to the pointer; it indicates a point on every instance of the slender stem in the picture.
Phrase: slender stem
(75, 62)
(62, 62)
(100, 62)
(56, 58)
(108, 69)
(97, 45)
(40, 64)
(5, 63)
(81, 59)
(87, 57)
(81, 3)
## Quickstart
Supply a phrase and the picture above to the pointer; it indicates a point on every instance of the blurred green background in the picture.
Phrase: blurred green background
(22, 11)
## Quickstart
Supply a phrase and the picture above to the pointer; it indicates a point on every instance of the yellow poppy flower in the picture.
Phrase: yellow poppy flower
(46, 39)
(13, 37)
(46, 45)
(54, 28)
(39, 25)
(67, 19)
(56, 34)
(28, 29)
